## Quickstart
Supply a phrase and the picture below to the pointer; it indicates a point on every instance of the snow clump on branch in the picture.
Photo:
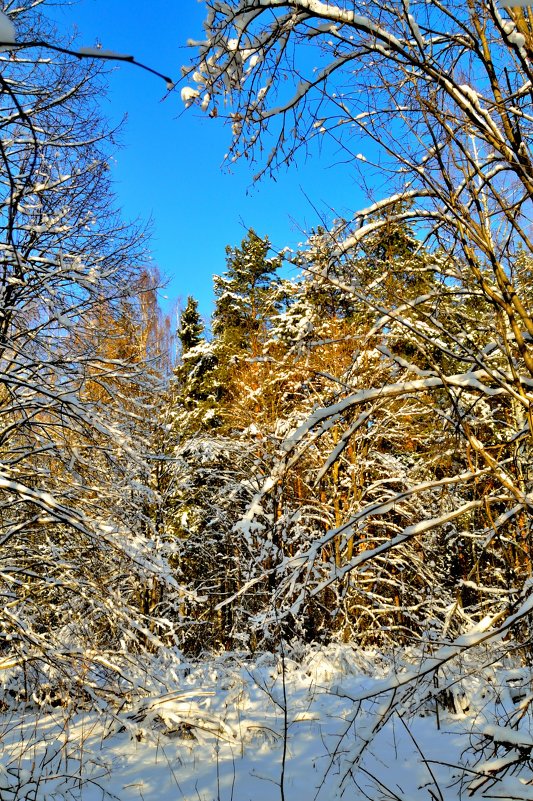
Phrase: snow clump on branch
(189, 95)
(7, 31)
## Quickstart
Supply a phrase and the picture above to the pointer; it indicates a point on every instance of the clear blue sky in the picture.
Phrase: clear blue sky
(170, 167)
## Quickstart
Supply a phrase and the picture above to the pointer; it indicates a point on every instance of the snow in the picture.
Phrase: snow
(505, 734)
(189, 95)
(517, 39)
(100, 53)
(416, 31)
(7, 30)
(218, 733)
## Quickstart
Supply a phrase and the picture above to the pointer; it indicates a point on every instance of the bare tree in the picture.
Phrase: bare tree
(80, 373)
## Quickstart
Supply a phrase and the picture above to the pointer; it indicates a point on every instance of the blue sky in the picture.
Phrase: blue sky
(170, 167)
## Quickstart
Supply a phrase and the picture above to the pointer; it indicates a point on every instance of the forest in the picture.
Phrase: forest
(294, 540)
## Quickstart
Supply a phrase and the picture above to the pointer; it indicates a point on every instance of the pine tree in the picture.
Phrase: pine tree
(245, 296)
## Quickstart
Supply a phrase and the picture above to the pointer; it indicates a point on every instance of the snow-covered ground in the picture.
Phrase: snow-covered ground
(263, 729)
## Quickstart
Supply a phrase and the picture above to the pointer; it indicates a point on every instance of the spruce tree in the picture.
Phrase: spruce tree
(217, 449)
(195, 391)
(191, 327)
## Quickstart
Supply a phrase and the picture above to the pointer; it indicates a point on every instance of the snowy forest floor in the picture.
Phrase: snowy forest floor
(261, 729)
